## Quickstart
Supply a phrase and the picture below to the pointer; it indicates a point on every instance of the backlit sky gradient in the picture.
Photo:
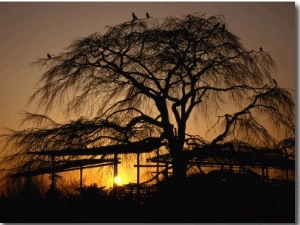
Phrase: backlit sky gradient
(33, 29)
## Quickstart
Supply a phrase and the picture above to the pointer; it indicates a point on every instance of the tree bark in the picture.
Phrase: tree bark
(176, 189)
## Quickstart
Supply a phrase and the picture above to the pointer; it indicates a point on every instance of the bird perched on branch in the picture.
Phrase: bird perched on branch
(147, 15)
(134, 17)
(49, 56)
(261, 49)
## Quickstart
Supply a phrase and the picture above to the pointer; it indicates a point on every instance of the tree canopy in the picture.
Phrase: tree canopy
(148, 78)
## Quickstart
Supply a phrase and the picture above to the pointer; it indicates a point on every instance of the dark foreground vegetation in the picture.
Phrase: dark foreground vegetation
(216, 197)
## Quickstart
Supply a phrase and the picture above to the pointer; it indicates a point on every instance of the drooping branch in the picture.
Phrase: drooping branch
(274, 103)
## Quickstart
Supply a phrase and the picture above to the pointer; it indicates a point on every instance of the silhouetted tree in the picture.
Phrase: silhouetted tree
(147, 78)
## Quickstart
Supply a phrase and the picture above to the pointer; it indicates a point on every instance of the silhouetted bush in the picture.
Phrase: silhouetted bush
(219, 196)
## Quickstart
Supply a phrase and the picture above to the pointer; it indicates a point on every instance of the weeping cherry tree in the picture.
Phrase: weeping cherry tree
(151, 77)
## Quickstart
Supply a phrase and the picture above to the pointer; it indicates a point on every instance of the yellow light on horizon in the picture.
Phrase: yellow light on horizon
(117, 180)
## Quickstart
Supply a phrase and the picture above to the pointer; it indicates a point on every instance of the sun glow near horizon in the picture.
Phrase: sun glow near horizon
(117, 180)
(126, 172)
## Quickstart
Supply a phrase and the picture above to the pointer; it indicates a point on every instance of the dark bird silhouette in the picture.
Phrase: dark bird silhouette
(49, 56)
(147, 15)
(261, 49)
(134, 16)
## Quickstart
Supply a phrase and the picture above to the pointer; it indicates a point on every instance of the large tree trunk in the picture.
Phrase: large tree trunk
(176, 190)
(179, 165)
(178, 156)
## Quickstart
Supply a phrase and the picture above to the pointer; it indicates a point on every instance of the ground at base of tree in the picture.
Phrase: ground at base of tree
(202, 200)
